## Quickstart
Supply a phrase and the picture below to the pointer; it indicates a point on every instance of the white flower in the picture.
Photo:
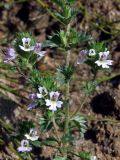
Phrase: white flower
(42, 92)
(26, 45)
(37, 50)
(93, 158)
(103, 60)
(53, 102)
(32, 135)
(92, 52)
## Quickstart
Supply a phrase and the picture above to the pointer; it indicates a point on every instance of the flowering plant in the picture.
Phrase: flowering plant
(52, 93)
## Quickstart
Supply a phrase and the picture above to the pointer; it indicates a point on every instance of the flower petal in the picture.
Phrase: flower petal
(24, 40)
(53, 108)
(48, 102)
(31, 106)
(59, 104)
(39, 95)
(26, 49)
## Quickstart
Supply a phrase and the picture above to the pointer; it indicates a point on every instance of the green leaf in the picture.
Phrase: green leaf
(66, 15)
(49, 141)
(67, 138)
(90, 86)
(64, 73)
(60, 3)
(45, 123)
(53, 42)
(97, 46)
(38, 79)
(36, 143)
(60, 158)
(1, 142)
(70, 1)
(25, 126)
(84, 155)
(81, 123)
(76, 38)
(60, 78)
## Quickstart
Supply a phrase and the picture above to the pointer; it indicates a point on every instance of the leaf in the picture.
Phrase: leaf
(1, 142)
(66, 15)
(76, 38)
(49, 43)
(25, 126)
(64, 73)
(90, 86)
(45, 124)
(38, 79)
(24, 155)
(53, 41)
(60, 3)
(50, 141)
(84, 155)
(36, 143)
(60, 78)
(67, 138)
(97, 46)
(71, 1)
(81, 123)
(60, 158)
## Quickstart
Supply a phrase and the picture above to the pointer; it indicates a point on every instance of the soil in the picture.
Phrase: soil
(99, 18)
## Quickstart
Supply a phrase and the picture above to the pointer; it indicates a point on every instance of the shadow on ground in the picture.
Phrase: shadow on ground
(7, 108)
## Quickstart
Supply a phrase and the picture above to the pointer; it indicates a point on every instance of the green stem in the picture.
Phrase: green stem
(96, 119)
(20, 72)
(67, 109)
(79, 108)
(55, 127)
(45, 6)
(107, 78)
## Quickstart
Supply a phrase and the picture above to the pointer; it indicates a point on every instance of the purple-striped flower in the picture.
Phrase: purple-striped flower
(26, 45)
(37, 50)
(25, 147)
(42, 92)
(82, 56)
(33, 104)
(53, 103)
(32, 96)
(32, 135)
(9, 55)
(103, 62)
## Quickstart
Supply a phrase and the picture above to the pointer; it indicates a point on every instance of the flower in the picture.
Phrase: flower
(53, 102)
(42, 92)
(32, 106)
(9, 55)
(26, 45)
(24, 146)
(93, 158)
(32, 135)
(37, 50)
(32, 96)
(82, 56)
(92, 52)
(103, 60)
